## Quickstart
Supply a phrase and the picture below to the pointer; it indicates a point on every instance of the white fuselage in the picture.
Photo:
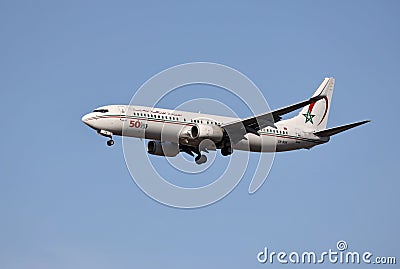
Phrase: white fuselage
(167, 125)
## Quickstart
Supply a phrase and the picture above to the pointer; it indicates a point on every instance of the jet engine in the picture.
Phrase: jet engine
(203, 131)
(159, 148)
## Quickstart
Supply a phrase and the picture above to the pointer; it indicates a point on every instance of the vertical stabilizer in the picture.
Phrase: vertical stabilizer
(314, 117)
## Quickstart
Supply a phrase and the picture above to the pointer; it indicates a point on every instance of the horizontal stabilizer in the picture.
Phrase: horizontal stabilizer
(332, 131)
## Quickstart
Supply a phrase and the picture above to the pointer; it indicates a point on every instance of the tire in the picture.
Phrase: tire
(226, 151)
(201, 159)
(110, 142)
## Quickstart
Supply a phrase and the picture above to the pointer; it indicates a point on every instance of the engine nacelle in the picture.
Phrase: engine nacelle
(203, 131)
(158, 148)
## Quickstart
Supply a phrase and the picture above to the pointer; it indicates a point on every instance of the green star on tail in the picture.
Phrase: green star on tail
(309, 117)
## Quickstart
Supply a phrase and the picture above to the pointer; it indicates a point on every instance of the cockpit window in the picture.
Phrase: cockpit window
(101, 110)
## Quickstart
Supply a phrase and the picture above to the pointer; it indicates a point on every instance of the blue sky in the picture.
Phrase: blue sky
(67, 200)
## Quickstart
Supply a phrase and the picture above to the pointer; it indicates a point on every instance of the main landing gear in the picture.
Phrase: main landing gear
(226, 151)
(108, 134)
(200, 159)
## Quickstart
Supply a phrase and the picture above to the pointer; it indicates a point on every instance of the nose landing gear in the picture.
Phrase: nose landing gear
(108, 134)
(110, 142)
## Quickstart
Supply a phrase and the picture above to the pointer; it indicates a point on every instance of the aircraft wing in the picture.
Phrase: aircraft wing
(332, 131)
(237, 129)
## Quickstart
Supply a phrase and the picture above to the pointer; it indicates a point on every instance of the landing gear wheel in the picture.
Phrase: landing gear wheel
(200, 159)
(110, 142)
(225, 151)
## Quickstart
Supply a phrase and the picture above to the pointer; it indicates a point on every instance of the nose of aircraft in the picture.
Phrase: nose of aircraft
(85, 119)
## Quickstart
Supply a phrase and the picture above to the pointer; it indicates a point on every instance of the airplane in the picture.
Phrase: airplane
(170, 132)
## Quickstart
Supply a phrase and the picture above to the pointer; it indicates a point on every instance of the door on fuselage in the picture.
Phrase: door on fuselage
(122, 111)
(298, 134)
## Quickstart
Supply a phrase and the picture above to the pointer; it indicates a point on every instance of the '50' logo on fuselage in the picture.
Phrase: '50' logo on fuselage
(137, 124)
